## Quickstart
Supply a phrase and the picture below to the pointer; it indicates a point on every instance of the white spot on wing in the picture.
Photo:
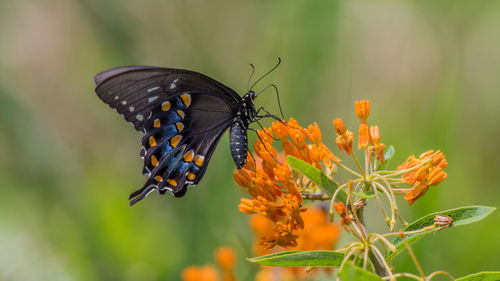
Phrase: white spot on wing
(152, 89)
(172, 86)
(131, 109)
(139, 117)
(116, 97)
(124, 102)
(152, 99)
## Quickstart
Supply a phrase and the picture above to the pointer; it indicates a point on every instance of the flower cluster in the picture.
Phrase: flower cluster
(277, 195)
(424, 171)
(274, 188)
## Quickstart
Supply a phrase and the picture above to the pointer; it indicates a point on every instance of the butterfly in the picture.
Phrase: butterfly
(182, 115)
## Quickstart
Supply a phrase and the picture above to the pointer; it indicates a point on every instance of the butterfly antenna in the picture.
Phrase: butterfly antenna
(250, 78)
(267, 73)
(277, 97)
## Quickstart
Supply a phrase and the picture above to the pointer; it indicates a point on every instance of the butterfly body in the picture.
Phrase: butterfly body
(182, 114)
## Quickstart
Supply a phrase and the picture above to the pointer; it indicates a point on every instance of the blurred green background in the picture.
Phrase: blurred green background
(68, 163)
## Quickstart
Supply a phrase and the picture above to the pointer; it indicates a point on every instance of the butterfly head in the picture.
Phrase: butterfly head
(252, 95)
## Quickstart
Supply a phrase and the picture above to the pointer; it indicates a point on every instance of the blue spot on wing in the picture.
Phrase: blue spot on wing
(178, 103)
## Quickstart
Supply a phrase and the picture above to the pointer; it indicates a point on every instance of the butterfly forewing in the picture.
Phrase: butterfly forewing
(182, 115)
(134, 90)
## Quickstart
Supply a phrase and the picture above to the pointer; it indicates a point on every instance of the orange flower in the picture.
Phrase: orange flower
(313, 133)
(429, 173)
(199, 273)
(362, 108)
(363, 111)
(416, 192)
(364, 135)
(340, 209)
(376, 148)
(344, 136)
(226, 259)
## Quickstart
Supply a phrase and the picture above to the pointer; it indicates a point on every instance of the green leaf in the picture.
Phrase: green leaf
(321, 180)
(460, 216)
(350, 272)
(300, 258)
(388, 154)
(481, 276)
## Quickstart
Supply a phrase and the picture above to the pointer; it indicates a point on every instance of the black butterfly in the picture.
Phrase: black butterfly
(182, 115)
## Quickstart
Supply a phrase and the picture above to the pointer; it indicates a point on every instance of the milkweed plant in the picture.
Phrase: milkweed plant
(298, 206)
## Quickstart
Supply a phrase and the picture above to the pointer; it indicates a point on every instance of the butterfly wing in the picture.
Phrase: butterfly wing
(182, 115)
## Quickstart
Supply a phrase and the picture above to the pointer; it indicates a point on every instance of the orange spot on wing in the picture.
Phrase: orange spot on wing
(175, 140)
(186, 99)
(154, 161)
(152, 141)
(179, 126)
(165, 106)
(157, 123)
(198, 160)
(158, 178)
(188, 157)
(190, 176)
(172, 182)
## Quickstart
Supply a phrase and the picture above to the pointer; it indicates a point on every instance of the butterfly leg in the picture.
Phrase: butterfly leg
(253, 130)
(268, 114)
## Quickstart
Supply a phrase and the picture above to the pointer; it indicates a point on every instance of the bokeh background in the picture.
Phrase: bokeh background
(68, 163)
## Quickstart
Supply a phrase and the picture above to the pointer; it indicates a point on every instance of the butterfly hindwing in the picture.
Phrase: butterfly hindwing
(182, 115)
(179, 141)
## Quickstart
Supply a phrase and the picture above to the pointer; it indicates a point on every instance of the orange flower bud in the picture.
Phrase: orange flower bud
(340, 127)
(289, 148)
(266, 135)
(345, 137)
(362, 109)
(242, 178)
(416, 192)
(421, 173)
(381, 153)
(297, 136)
(250, 165)
(313, 133)
(246, 206)
(279, 130)
(282, 173)
(437, 176)
(375, 135)
(364, 135)
(340, 209)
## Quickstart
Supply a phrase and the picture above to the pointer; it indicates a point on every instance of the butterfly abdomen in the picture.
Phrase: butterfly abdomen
(239, 145)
